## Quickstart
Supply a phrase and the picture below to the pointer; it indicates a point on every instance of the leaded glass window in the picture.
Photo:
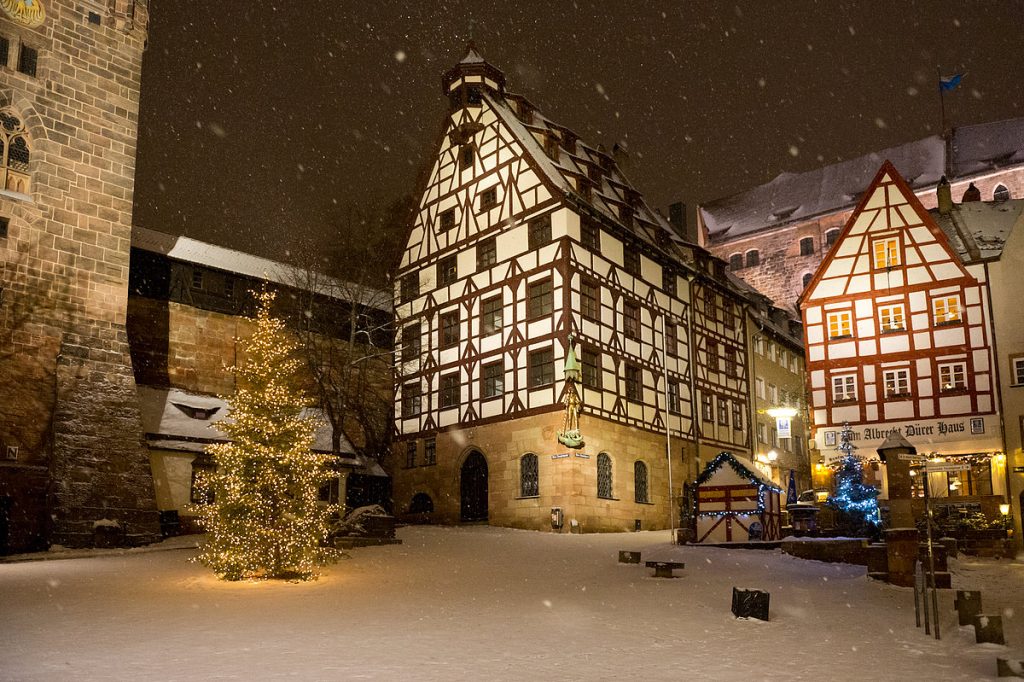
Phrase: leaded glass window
(604, 476)
(529, 484)
(14, 153)
(640, 481)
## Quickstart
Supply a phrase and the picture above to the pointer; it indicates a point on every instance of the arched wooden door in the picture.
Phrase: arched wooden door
(473, 486)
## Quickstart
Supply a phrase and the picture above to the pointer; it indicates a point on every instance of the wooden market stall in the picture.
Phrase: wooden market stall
(735, 503)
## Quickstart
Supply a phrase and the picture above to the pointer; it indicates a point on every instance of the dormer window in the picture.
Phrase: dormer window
(551, 146)
(525, 112)
(569, 142)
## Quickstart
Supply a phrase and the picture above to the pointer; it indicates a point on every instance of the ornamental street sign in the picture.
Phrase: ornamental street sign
(945, 467)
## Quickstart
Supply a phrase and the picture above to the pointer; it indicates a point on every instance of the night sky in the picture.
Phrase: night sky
(263, 121)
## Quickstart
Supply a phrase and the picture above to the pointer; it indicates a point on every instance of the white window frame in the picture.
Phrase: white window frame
(1017, 365)
(889, 315)
(885, 252)
(841, 321)
(896, 382)
(946, 310)
(759, 383)
(954, 373)
(844, 388)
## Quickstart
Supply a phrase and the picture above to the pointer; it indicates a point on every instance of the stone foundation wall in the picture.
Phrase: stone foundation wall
(566, 482)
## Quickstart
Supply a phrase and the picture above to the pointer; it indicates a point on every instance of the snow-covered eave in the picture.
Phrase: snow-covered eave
(188, 250)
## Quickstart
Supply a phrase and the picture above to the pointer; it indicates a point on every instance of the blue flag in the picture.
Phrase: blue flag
(791, 496)
(947, 83)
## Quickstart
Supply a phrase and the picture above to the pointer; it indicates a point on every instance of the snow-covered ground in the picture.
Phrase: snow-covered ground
(484, 603)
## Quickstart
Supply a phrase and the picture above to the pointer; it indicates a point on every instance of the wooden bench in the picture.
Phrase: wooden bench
(663, 569)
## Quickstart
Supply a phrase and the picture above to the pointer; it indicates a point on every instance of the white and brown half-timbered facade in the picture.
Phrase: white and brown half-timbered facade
(524, 238)
(898, 334)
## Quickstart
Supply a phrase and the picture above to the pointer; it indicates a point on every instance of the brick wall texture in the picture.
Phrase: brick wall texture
(65, 377)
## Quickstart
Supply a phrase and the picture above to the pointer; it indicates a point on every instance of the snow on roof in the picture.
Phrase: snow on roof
(608, 194)
(987, 146)
(988, 223)
(188, 250)
(174, 419)
(741, 465)
(797, 196)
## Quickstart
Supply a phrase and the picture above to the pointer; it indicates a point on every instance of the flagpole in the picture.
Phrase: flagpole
(668, 427)
(942, 100)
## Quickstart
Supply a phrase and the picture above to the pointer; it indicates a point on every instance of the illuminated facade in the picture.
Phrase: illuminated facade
(899, 336)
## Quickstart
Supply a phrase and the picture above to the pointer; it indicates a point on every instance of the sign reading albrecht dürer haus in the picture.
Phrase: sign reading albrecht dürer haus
(72, 456)
(901, 333)
(528, 244)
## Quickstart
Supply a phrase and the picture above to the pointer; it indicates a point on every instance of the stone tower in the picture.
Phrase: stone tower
(72, 464)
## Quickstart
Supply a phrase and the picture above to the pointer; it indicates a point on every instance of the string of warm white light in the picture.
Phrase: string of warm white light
(264, 518)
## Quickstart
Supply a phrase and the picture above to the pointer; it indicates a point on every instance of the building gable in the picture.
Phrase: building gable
(889, 242)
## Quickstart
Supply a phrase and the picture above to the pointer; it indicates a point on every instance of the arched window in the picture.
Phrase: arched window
(831, 236)
(604, 476)
(753, 258)
(640, 481)
(529, 483)
(14, 153)
(736, 261)
(807, 246)
(1001, 193)
(808, 276)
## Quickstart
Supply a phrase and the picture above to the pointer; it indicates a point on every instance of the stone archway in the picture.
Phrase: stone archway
(473, 488)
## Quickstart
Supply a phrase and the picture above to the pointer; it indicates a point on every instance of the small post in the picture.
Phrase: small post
(931, 554)
(917, 603)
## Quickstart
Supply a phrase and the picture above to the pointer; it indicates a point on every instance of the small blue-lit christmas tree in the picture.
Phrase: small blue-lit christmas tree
(855, 503)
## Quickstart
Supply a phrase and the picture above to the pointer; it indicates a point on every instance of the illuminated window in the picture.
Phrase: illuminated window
(604, 476)
(761, 437)
(640, 482)
(946, 309)
(953, 377)
(14, 153)
(896, 382)
(529, 479)
(840, 325)
(891, 318)
(491, 310)
(844, 388)
(887, 253)
(590, 299)
(492, 380)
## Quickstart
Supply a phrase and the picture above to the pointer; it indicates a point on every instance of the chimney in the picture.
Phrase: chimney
(972, 194)
(677, 218)
(944, 194)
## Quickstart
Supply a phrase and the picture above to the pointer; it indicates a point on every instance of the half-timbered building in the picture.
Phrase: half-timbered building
(899, 336)
(527, 241)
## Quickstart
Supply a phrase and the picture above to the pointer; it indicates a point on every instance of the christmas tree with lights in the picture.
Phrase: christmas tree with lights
(264, 519)
(855, 503)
